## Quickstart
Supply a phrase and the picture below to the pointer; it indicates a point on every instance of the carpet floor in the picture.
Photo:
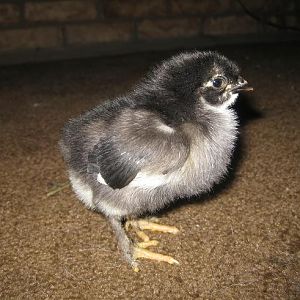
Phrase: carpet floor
(239, 242)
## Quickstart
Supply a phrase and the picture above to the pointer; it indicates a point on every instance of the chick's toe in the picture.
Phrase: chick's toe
(144, 253)
(142, 224)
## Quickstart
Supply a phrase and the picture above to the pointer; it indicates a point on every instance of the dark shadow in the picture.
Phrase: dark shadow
(245, 110)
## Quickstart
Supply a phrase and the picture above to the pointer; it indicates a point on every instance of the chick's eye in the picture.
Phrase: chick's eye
(219, 82)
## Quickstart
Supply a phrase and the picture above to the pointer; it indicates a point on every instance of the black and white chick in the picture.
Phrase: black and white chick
(171, 137)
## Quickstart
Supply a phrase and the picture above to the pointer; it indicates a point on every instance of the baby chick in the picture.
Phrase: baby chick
(171, 137)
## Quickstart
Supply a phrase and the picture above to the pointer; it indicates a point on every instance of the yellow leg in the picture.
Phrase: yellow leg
(147, 225)
(139, 250)
(144, 253)
(142, 235)
(147, 244)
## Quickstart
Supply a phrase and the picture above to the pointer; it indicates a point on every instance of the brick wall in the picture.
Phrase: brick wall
(31, 29)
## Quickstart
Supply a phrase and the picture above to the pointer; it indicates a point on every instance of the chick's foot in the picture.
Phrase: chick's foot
(142, 224)
(139, 250)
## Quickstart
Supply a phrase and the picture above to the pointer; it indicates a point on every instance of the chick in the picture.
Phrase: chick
(171, 137)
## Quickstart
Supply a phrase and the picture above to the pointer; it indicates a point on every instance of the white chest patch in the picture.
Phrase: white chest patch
(165, 128)
(149, 181)
(101, 179)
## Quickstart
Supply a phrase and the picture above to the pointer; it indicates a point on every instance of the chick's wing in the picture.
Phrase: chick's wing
(138, 140)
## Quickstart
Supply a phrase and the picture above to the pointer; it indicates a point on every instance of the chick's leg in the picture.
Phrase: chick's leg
(124, 243)
(139, 250)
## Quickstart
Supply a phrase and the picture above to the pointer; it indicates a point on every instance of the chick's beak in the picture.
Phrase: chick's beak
(241, 86)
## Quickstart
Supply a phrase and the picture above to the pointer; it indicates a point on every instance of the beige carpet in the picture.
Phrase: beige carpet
(242, 242)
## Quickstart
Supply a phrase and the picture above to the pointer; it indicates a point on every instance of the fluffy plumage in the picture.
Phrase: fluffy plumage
(171, 136)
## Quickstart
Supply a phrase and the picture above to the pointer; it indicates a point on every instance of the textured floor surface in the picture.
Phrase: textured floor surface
(241, 242)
